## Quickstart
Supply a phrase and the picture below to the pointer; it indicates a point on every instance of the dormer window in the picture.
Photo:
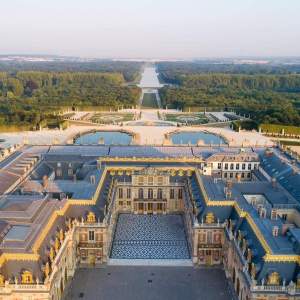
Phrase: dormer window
(275, 231)
(262, 212)
(274, 214)
(59, 172)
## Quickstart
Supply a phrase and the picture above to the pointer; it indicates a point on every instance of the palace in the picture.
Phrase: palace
(67, 207)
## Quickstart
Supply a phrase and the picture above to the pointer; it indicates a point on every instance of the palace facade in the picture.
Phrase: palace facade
(64, 207)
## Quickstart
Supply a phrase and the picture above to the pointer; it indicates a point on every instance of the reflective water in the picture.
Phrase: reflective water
(149, 78)
(193, 138)
(105, 137)
(150, 123)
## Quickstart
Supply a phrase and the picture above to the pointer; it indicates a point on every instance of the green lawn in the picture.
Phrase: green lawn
(149, 101)
(191, 119)
(110, 118)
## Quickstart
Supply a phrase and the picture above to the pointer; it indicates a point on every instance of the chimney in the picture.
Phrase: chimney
(92, 179)
(274, 184)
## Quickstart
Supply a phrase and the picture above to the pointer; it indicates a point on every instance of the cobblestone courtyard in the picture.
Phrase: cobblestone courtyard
(149, 283)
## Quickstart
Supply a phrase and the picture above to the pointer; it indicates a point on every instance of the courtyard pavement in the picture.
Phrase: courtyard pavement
(150, 237)
(149, 283)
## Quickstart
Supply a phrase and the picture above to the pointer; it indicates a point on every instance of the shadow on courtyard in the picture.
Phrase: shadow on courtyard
(149, 283)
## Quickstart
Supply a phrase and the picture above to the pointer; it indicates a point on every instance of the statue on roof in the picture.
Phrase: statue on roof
(274, 278)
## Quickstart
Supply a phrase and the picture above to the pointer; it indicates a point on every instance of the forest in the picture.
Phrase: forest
(130, 70)
(269, 94)
(29, 97)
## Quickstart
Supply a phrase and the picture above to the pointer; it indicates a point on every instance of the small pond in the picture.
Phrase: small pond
(193, 138)
(104, 137)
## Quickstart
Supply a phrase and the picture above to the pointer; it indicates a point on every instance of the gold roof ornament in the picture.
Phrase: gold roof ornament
(253, 270)
(249, 255)
(69, 223)
(51, 254)
(298, 283)
(173, 172)
(47, 270)
(56, 244)
(128, 172)
(2, 280)
(181, 173)
(239, 236)
(189, 173)
(61, 235)
(274, 278)
(112, 172)
(120, 172)
(91, 218)
(210, 218)
(26, 277)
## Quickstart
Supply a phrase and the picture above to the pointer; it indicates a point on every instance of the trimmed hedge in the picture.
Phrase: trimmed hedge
(275, 128)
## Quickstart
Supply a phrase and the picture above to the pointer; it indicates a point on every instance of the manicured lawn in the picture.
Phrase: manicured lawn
(110, 118)
(149, 101)
(192, 119)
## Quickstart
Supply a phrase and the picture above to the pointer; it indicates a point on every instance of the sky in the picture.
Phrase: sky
(150, 28)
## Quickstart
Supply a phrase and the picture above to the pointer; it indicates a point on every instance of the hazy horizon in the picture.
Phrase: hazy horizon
(146, 29)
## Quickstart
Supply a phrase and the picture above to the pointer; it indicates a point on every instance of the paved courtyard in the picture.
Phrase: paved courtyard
(149, 283)
(150, 237)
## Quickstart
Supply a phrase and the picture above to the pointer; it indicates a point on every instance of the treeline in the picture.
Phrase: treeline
(171, 70)
(130, 70)
(267, 98)
(28, 97)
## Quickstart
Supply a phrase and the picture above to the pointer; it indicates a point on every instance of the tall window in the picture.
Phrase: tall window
(202, 238)
(128, 193)
(219, 166)
(141, 180)
(120, 193)
(159, 194)
(91, 235)
(141, 194)
(226, 166)
(209, 237)
(180, 194)
(160, 180)
(150, 180)
(231, 166)
(172, 194)
(150, 193)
